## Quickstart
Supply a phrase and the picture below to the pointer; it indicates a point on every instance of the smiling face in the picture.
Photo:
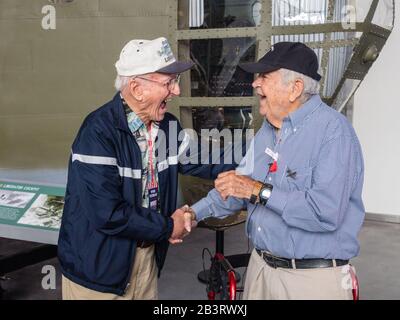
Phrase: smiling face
(151, 92)
(274, 97)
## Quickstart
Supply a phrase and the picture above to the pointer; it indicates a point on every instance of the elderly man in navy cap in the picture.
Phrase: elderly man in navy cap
(119, 214)
(301, 182)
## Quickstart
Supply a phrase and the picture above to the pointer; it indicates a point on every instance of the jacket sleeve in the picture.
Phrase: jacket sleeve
(322, 207)
(98, 184)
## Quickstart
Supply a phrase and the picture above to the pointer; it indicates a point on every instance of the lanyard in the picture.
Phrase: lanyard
(152, 183)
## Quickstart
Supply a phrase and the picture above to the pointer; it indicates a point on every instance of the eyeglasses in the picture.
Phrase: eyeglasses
(170, 84)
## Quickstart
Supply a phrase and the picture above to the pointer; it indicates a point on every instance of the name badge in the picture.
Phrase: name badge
(273, 155)
(153, 198)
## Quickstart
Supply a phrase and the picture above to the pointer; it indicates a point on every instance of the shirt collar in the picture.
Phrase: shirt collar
(298, 116)
(134, 121)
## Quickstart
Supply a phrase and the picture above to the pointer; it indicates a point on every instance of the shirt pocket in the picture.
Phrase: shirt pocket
(299, 178)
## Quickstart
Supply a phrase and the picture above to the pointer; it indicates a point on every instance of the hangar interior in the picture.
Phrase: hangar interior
(51, 78)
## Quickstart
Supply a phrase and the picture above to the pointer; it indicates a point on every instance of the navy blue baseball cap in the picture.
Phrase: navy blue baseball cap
(295, 56)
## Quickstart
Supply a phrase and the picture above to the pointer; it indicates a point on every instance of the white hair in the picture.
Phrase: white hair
(121, 82)
(311, 86)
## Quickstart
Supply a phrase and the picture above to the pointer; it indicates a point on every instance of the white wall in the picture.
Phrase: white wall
(377, 123)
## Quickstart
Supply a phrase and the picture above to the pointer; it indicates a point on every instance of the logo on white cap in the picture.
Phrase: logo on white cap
(166, 51)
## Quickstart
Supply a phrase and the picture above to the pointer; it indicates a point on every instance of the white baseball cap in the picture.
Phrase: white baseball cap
(145, 56)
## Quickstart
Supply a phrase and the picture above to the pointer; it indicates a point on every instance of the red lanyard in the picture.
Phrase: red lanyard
(152, 183)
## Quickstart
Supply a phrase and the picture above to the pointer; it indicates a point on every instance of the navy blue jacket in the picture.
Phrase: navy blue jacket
(103, 217)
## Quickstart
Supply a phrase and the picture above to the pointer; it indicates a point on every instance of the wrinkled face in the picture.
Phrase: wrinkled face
(157, 88)
(273, 95)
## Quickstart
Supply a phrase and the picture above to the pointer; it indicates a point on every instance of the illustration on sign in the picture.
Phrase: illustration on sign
(15, 199)
(46, 211)
(33, 206)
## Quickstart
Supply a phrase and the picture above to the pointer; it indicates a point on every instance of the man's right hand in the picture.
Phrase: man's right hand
(182, 224)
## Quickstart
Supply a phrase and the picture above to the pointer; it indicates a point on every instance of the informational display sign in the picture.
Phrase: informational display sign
(30, 212)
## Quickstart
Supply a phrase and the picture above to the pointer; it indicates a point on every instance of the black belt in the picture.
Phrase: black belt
(144, 244)
(278, 262)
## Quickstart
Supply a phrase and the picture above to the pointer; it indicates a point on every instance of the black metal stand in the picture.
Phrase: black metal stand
(203, 276)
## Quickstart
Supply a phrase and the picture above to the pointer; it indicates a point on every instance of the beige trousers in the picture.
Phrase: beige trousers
(267, 283)
(143, 282)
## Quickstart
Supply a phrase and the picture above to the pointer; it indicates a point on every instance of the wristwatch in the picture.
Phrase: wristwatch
(265, 193)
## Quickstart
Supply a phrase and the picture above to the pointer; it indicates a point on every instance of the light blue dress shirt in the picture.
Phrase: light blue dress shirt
(315, 209)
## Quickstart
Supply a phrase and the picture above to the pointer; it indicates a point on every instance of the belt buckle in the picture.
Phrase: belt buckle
(275, 259)
(269, 259)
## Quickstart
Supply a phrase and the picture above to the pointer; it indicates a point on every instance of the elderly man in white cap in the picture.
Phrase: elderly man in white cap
(120, 204)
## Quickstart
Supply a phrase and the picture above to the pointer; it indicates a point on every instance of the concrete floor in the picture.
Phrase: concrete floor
(378, 265)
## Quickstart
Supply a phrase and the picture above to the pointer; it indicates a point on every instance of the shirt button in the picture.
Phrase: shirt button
(258, 229)
(295, 129)
(270, 179)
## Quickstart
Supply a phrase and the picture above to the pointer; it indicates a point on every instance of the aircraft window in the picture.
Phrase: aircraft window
(295, 12)
(231, 123)
(312, 37)
(384, 15)
(216, 73)
(217, 117)
(345, 93)
(339, 59)
(207, 14)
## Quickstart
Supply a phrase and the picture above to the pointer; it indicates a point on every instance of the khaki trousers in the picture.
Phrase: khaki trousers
(267, 283)
(143, 282)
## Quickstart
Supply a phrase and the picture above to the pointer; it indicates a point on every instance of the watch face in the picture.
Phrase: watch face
(265, 193)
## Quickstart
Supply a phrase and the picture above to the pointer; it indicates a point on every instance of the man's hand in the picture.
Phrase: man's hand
(183, 224)
(190, 218)
(231, 184)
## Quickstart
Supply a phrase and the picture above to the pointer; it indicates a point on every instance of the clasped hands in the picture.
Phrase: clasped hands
(183, 223)
(228, 183)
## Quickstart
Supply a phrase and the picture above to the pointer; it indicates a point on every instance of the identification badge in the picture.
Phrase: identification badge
(153, 198)
(273, 155)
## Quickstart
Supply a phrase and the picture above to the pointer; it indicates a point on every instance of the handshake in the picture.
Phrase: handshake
(184, 220)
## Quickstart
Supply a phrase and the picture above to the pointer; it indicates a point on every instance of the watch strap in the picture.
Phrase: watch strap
(254, 198)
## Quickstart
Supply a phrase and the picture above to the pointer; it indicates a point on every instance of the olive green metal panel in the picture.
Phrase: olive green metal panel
(37, 141)
(51, 79)
(136, 8)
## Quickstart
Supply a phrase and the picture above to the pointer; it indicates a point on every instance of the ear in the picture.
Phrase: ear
(297, 90)
(135, 90)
